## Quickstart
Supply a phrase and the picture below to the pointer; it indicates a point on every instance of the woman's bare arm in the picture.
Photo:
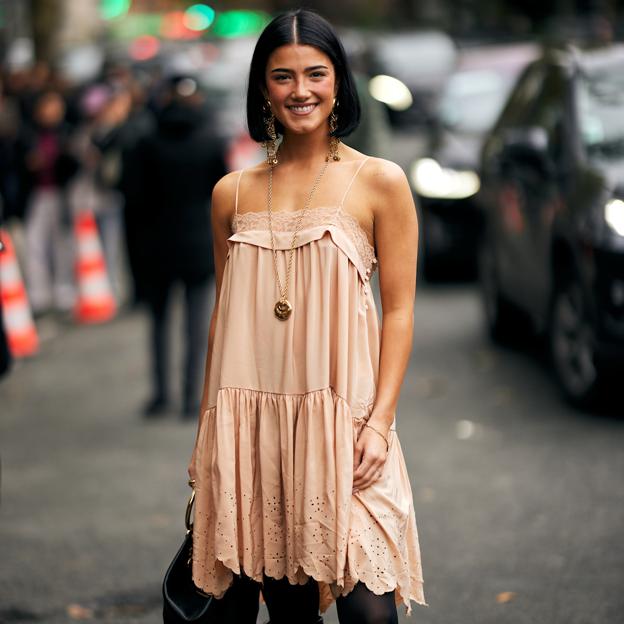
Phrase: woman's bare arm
(222, 209)
(396, 242)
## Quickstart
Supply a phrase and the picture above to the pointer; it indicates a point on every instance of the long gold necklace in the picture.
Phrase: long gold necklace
(283, 307)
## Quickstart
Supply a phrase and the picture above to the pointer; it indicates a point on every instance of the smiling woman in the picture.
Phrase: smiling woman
(307, 90)
(326, 67)
(301, 482)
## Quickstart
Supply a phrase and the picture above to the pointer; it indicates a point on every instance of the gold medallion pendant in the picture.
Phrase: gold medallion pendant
(282, 309)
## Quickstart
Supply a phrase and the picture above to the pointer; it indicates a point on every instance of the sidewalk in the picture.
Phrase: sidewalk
(93, 496)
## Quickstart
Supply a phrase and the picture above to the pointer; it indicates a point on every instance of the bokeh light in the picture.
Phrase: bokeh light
(111, 9)
(199, 17)
(174, 27)
(240, 23)
(390, 91)
(144, 47)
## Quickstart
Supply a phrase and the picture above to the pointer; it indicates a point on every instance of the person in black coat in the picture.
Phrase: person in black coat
(178, 165)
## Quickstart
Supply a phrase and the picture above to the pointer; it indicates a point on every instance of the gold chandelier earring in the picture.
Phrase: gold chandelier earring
(334, 142)
(271, 143)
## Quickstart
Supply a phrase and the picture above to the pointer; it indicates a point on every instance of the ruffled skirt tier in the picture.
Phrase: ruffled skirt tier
(274, 496)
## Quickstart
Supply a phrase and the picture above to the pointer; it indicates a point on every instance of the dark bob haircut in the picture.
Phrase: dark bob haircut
(303, 27)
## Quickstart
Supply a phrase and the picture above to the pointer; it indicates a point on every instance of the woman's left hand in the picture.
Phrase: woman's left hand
(369, 457)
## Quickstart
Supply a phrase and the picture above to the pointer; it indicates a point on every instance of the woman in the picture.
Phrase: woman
(300, 480)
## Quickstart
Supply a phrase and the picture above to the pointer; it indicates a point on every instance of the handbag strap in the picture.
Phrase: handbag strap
(189, 508)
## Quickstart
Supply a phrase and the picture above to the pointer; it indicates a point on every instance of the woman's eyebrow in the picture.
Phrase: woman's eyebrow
(284, 69)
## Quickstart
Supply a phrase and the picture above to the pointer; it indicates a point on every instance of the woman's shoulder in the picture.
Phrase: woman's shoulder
(225, 190)
(381, 172)
(377, 170)
(224, 193)
(227, 182)
(382, 184)
(382, 180)
(230, 181)
(226, 186)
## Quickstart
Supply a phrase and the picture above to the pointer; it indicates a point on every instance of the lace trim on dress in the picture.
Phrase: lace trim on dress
(287, 222)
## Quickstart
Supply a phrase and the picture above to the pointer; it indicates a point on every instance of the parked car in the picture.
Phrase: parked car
(552, 191)
(445, 179)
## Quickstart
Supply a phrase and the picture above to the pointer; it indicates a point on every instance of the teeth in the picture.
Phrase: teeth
(302, 109)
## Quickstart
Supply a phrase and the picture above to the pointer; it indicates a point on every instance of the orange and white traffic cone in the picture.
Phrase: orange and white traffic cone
(19, 326)
(95, 302)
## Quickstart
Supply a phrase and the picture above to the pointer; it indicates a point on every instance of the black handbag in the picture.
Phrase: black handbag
(182, 600)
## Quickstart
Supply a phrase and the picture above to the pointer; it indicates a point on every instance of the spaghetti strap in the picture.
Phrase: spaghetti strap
(240, 175)
(351, 182)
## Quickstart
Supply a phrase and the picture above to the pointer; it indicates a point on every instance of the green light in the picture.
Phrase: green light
(199, 17)
(135, 25)
(240, 23)
(111, 9)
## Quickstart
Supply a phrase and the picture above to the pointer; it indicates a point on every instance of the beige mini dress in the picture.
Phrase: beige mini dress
(286, 403)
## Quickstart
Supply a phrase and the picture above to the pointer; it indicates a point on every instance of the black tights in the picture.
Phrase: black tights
(361, 606)
(290, 604)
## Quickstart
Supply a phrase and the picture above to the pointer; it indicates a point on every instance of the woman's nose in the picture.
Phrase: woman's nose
(301, 89)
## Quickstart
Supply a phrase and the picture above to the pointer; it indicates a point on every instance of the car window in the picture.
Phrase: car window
(472, 100)
(423, 59)
(600, 97)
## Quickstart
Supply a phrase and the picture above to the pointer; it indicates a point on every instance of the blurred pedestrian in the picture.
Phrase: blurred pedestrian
(10, 121)
(48, 165)
(138, 125)
(107, 138)
(299, 475)
(100, 141)
(36, 80)
(177, 166)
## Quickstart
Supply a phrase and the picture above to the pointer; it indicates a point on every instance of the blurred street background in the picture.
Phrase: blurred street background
(116, 119)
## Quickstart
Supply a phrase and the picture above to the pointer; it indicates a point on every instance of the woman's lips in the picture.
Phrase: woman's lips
(301, 109)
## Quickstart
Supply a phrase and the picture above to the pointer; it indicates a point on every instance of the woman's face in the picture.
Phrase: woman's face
(50, 110)
(301, 85)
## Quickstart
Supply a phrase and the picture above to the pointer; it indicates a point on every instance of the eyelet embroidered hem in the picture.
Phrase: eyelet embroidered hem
(274, 495)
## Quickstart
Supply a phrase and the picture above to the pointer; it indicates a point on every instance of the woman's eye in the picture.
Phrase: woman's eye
(318, 74)
(281, 77)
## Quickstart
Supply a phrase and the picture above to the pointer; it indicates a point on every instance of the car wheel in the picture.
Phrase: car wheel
(500, 316)
(572, 345)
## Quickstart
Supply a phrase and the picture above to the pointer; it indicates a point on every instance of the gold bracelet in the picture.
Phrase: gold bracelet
(379, 433)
